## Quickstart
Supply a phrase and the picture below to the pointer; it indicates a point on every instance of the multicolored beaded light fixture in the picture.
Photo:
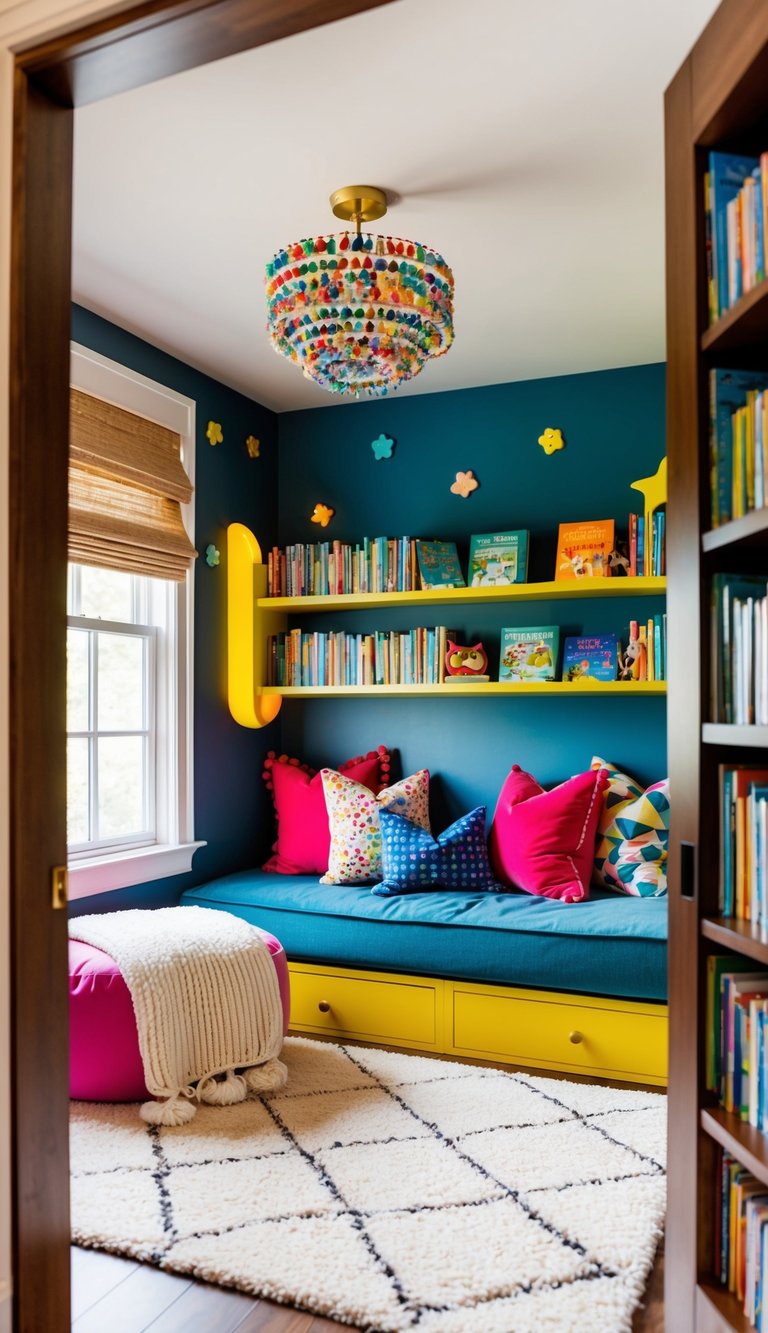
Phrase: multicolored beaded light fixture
(359, 313)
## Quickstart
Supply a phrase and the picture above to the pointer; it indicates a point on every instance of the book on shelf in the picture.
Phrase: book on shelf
(497, 558)
(439, 565)
(645, 656)
(736, 200)
(590, 657)
(740, 1257)
(529, 654)
(322, 569)
(322, 658)
(743, 823)
(739, 649)
(583, 549)
(647, 551)
(738, 442)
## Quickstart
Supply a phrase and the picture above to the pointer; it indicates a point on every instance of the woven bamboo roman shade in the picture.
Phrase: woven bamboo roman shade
(126, 486)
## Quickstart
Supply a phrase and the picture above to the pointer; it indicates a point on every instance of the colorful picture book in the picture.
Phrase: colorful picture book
(498, 558)
(439, 565)
(590, 657)
(529, 654)
(583, 549)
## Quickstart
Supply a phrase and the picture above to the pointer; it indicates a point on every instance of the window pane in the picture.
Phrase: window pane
(121, 682)
(106, 594)
(77, 680)
(121, 786)
(77, 791)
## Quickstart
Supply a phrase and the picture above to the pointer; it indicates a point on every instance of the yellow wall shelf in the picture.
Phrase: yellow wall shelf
(252, 616)
(562, 590)
(606, 688)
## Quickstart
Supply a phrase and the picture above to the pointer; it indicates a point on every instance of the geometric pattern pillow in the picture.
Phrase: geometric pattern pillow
(633, 837)
(353, 816)
(414, 861)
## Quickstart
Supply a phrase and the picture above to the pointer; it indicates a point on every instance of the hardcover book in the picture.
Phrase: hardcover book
(439, 565)
(583, 549)
(590, 657)
(498, 558)
(529, 654)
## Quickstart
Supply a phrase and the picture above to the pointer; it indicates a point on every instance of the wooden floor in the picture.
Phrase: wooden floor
(111, 1295)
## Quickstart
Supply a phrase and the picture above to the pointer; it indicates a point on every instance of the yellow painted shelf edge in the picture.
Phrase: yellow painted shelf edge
(562, 589)
(475, 688)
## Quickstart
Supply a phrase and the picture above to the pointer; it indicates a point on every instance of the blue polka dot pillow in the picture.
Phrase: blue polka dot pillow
(413, 861)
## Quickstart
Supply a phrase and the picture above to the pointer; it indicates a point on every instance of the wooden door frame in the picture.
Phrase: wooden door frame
(106, 56)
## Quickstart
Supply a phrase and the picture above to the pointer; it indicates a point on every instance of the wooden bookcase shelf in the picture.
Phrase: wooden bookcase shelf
(749, 530)
(737, 936)
(745, 1142)
(717, 1311)
(729, 734)
(718, 101)
(744, 325)
(252, 616)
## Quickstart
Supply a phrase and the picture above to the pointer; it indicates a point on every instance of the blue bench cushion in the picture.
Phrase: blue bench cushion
(609, 945)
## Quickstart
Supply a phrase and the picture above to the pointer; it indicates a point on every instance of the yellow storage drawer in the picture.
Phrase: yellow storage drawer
(405, 1011)
(618, 1038)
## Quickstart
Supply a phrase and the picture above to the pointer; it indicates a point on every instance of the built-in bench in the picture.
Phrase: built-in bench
(503, 976)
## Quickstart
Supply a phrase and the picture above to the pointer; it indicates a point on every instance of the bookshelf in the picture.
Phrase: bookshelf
(718, 100)
(252, 616)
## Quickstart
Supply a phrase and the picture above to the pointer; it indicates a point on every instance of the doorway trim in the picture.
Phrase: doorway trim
(51, 71)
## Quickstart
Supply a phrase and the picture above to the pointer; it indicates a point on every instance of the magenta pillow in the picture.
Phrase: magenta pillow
(303, 834)
(544, 841)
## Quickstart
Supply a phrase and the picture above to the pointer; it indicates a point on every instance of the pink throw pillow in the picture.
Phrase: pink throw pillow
(544, 841)
(303, 833)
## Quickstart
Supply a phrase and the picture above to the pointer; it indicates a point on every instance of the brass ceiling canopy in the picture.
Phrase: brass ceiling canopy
(359, 203)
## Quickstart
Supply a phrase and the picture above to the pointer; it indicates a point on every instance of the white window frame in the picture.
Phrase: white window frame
(100, 871)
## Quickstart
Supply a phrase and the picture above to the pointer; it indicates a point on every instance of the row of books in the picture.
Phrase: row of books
(739, 659)
(743, 867)
(391, 657)
(736, 1056)
(741, 1238)
(648, 555)
(496, 559)
(738, 442)
(528, 655)
(735, 208)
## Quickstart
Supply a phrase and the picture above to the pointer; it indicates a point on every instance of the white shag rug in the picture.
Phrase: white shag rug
(392, 1191)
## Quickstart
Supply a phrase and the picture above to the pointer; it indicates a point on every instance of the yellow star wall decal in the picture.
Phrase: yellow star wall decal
(551, 440)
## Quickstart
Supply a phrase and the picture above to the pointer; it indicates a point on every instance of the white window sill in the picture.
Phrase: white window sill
(102, 874)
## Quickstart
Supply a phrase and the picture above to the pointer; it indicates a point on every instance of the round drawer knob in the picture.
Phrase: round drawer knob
(324, 1007)
(575, 1037)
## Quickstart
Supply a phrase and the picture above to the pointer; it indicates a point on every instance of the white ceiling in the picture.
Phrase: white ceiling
(523, 139)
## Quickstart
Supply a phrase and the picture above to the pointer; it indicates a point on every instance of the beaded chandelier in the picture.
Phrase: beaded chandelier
(359, 313)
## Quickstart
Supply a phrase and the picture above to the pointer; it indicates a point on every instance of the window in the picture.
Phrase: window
(129, 681)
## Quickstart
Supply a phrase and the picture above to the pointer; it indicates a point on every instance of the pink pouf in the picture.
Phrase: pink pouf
(104, 1059)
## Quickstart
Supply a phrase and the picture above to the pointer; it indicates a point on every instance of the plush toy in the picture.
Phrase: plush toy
(461, 661)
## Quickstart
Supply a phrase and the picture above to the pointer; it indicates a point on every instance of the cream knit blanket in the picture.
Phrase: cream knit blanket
(206, 999)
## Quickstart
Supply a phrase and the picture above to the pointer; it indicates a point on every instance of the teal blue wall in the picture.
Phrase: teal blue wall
(231, 812)
(613, 422)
